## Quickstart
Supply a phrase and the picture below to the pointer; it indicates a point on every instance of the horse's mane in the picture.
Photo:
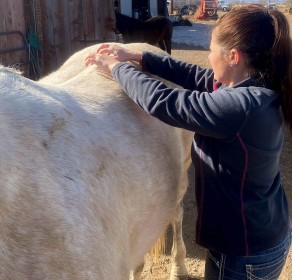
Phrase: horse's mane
(9, 69)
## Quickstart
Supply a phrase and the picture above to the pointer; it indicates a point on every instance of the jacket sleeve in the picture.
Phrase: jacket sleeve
(186, 75)
(218, 114)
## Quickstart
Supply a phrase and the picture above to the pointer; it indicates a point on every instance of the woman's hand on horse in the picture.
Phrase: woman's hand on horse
(108, 55)
(103, 61)
(118, 52)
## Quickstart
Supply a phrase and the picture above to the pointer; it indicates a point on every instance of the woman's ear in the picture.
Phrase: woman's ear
(234, 57)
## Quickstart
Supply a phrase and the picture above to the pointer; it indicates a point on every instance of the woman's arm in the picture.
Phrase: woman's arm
(218, 114)
(188, 76)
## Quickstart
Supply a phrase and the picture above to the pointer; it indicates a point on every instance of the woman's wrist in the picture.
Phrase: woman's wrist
(112, 65)
(137, 56)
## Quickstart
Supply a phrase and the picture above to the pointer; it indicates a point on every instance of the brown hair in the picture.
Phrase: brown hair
(263, 37)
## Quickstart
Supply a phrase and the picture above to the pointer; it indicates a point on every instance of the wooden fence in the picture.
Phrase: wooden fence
(13, 47)
(60, 27)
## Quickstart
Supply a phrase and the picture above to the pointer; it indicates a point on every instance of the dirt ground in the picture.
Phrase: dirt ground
(158, 270)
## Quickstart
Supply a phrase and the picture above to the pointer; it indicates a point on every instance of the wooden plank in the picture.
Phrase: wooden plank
(49, 50)
(28, 13)
(109, 21)
(19, 59)
(3, 38)
(39, 30)
(29, 23)
(12, 19)
(84, 8)
(69, 25)
(88, 20)
(98, 14)
(8, 27)
(56, 14)
(75, 21)
(103, 20)
(33, 23)
(37, 10)
(61, 30)
(65, 48)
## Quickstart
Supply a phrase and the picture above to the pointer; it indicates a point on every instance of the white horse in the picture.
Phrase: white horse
(89, 181)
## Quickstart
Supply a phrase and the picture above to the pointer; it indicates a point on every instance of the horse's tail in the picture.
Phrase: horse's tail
(158, 248)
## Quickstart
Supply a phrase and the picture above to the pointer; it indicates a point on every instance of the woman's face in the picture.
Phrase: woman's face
(218, 60)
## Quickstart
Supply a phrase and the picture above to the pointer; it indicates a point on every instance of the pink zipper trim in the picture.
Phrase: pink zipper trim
(215, 86)
(202, 195)
(242, 182)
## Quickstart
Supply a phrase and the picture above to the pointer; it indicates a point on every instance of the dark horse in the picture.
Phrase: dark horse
(156, 30)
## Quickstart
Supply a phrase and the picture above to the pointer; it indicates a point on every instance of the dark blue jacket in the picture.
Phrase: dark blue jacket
(242, 207)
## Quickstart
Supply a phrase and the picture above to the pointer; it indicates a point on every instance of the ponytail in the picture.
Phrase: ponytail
(281, 72)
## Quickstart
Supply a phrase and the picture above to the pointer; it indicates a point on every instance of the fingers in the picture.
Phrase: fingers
(90, 61)
(102, 47)
(93, 58)
(104, 51)
(107, 49)
(100, 60)
(96, 59)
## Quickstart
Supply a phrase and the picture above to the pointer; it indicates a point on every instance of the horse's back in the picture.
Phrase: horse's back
(82, 170)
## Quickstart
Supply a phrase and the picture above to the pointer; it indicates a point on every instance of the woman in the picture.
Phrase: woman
(237, 110)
